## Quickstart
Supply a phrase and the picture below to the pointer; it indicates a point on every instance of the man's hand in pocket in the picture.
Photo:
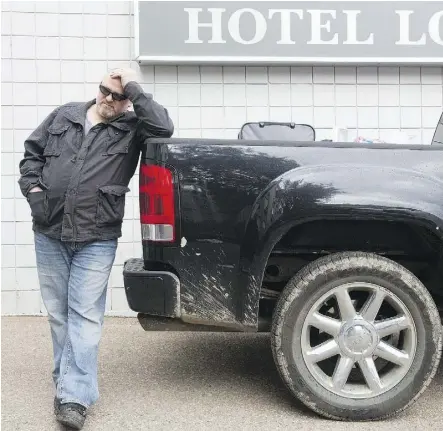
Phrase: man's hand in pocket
(35, 189)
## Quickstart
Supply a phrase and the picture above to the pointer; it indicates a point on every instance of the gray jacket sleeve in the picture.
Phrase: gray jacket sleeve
(154, 120)
(31, 165)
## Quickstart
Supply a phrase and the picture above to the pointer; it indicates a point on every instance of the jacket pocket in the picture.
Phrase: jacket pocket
(54, 144)
(38, 201)
(111, 205)
(118, 142)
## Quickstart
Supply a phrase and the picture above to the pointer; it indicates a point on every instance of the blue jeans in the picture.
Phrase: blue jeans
(73, 281)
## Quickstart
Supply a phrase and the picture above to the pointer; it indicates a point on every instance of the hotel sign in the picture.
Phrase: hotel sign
(289, 32)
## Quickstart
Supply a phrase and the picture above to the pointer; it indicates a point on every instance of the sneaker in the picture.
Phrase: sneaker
(71, 415)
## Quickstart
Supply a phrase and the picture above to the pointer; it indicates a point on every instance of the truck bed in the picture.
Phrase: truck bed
(236, 199)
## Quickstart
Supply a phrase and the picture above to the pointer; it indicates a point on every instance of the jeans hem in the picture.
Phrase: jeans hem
(74, 400)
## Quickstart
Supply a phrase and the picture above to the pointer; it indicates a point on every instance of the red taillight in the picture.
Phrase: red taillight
(157, 206)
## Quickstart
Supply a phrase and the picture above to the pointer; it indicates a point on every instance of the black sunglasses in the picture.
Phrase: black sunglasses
(115, 96)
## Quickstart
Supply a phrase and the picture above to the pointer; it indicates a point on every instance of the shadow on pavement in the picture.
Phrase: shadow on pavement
(229, 363)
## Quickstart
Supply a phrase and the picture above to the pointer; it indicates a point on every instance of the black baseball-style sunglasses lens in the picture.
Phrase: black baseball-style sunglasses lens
(115, 96)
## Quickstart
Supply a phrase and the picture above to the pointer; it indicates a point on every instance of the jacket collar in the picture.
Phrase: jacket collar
(77, 114)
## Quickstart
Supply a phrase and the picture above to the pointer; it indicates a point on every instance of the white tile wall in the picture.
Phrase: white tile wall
(55, 52)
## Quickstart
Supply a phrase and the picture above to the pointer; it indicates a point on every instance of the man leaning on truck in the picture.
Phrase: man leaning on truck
(75, 173)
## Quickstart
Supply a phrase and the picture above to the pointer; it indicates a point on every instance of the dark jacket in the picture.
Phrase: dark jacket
(85, 178)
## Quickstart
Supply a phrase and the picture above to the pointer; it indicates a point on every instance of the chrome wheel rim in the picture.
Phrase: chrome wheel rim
(369, 335)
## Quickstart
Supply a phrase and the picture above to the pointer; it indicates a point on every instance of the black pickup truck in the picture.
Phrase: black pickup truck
(335, 249)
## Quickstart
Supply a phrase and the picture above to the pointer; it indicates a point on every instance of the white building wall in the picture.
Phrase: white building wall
(54, 53)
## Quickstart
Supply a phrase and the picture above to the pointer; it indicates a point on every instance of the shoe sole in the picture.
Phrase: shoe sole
(71, 422)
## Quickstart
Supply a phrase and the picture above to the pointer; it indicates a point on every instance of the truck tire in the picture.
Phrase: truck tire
(362, 316)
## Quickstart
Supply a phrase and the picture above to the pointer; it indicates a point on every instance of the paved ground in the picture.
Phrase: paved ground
(173, 381)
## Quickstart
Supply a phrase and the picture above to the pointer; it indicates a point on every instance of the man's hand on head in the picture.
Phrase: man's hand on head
(125, 75)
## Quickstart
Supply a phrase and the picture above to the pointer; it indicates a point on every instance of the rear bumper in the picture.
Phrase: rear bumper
(155, 293)
(155, 296)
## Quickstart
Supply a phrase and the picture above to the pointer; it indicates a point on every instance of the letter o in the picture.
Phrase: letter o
(234, 26)
(435, 28)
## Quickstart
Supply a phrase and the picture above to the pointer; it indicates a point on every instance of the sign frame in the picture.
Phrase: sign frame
(270, 61)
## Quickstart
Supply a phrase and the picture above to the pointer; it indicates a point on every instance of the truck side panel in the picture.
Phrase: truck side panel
(237, 200)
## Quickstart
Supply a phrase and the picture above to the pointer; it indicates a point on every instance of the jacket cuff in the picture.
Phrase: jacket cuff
(132, 90)
(26, 186)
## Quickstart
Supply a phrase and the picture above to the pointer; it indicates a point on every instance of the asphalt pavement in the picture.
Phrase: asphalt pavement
(174, 381)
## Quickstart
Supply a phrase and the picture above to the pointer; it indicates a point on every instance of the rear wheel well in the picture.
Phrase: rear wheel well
(412, 245)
